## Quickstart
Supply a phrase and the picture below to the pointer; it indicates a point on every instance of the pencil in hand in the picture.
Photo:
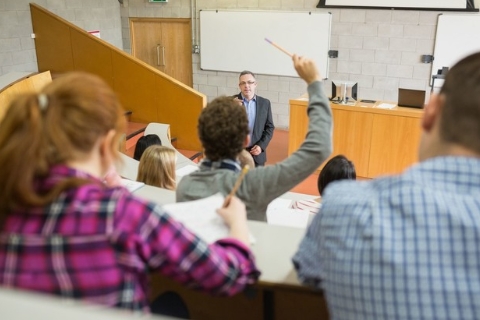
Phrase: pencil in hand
(236, 186)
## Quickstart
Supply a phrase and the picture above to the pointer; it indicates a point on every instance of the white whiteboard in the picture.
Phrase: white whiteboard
(235, 40)
(458, 35)
(450, 4)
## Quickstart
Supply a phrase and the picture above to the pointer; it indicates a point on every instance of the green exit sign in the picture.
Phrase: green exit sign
(161, 1)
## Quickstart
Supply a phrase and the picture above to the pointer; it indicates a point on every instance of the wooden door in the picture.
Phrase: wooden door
(164, 44)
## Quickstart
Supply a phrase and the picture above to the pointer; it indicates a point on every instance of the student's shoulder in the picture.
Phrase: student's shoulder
(262, 100)
(362, 190)
(128, 204)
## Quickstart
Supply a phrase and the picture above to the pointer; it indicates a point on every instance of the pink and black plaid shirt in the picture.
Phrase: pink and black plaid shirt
(98, 244)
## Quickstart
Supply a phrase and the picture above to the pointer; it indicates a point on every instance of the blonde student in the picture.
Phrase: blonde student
(64, 231)
(157, 167)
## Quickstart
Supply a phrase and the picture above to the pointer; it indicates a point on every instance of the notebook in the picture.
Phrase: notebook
(411, 98)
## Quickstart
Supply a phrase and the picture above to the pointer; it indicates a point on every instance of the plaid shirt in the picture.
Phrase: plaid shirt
(98, 244)
(400, 247)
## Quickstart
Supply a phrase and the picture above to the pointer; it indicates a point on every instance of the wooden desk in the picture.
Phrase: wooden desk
(278, 295)
(25, 305)
(14, 83)
(378, 141)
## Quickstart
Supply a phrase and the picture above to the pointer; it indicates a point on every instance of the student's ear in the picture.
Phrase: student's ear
(431, 112)
(246, 143)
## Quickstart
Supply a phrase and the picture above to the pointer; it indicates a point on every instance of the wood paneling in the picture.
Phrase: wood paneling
(298, 124)
(397, 147)
(152, 95)
(295, 304)
(378, 141)
(31, 83)
(139, 93)
(92, 55)
(352, 133)
(52, 42)
(204, 306)
(165, 44)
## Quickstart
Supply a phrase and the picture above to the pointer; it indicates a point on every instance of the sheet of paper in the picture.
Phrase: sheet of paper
(289, 217)
(132, 185)
(186, 170)
(386, 106)
(279, 204)
(200, 217)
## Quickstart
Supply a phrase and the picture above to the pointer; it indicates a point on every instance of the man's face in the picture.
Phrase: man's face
(247, 84)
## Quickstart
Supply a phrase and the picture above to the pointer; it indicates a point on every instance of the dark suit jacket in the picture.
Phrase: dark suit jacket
(262, 129)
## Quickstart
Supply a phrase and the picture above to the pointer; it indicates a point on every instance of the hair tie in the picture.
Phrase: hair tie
(43, 101)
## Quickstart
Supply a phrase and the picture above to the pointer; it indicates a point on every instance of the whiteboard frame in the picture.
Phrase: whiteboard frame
(454, 40)
(234, 40)
(434, 5)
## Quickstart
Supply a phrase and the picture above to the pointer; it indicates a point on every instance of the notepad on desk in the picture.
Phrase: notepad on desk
(132, 185)
(386, 105)
(201, 218)
(279, 213)
(186, 170)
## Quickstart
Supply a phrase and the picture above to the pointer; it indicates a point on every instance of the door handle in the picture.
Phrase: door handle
(163, 56)
(158, 54)
(162, 63)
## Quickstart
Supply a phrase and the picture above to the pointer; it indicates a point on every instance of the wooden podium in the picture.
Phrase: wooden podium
(378, 141)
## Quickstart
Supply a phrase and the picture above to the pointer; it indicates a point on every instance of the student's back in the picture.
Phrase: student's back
(223, 130)
(407, 246)
(64, 232)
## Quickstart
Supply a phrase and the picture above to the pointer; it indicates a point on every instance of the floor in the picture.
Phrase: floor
(277, 151)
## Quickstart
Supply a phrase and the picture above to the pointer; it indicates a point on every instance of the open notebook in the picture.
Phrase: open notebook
(132, 185)
(200, 217)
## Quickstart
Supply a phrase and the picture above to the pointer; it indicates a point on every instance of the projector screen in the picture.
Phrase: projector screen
(420, 4)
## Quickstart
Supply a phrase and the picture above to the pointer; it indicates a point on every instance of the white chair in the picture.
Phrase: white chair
(162, 130)
(129, 168)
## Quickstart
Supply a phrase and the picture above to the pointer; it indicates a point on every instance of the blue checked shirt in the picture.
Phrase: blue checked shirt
(400, 247)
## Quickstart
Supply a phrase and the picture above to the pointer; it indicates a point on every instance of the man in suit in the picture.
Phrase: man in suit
(259, 113)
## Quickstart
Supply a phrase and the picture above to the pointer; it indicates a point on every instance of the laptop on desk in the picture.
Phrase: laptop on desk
(411, 98)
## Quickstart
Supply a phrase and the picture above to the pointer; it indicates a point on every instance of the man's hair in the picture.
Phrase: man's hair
(246, 72)
(337, 168)
(222, 128)
(460, 120)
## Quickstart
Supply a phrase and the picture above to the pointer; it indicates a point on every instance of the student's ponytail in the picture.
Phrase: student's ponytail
(62, 123)
(22, 151)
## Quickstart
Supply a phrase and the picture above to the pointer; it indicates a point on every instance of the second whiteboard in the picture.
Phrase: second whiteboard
(235, 40)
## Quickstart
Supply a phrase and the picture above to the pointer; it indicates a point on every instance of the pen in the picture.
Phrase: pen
(279, 47)
(235, 187)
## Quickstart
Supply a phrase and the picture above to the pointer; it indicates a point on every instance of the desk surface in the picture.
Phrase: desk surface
(20, 305)
(12, 77)
(368, 107)
(274, 246)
